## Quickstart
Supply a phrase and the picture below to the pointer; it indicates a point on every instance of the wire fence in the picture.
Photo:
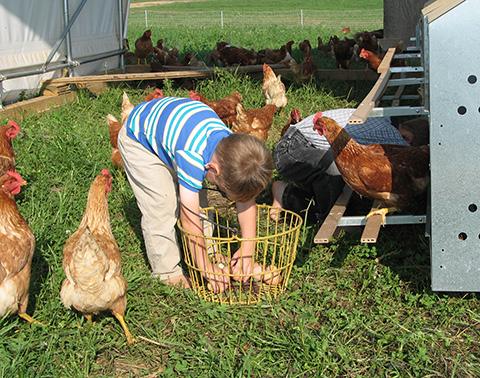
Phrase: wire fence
(330, 19)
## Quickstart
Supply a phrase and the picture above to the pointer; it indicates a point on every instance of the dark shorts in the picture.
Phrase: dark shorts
(303, 167)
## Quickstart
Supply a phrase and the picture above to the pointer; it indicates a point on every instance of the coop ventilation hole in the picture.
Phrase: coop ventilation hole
(462, 110)
(472, 207)
(472, 79)
(462, 236)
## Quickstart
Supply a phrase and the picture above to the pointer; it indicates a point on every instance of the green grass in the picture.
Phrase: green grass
(195, 26)
(350, 310)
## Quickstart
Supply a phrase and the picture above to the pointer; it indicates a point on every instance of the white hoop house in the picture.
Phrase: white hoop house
(39, 39)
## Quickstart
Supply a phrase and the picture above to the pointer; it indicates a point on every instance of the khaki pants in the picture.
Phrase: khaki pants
(154, 186)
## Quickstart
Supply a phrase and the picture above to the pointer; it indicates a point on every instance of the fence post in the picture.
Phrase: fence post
(146, 19)
(301, 17)
(221, 19)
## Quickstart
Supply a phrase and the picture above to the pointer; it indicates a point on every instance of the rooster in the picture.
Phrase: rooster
(225, 107)
(256, 122)
(17, 245)
(7, 156)
(143, 46)
(91, 261)
(273, 88)
(295, 117)
(397, 176)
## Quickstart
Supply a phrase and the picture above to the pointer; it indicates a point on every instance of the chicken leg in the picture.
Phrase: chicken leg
(130, 339)
(382, 212)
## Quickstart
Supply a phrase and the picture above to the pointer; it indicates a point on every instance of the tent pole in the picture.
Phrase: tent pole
(65, 32)
(40, 69)
(68, 39)
(120, 32)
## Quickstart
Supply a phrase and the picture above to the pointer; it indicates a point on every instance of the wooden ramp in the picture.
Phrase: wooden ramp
(371, 226)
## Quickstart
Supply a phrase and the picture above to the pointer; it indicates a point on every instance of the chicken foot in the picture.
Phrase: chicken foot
(28, 318)
(382, 212)
(89, 318)
(120, 318)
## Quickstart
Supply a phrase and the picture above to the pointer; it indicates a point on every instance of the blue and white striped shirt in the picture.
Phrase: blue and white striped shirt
(182, 132)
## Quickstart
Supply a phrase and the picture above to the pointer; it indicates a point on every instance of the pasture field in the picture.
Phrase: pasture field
(350, 310)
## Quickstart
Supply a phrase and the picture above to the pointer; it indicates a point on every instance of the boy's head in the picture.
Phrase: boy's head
(241, 167)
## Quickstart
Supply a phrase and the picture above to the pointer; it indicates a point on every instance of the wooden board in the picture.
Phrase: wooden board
(372, 227)
(360, 115)
(40, 104)
(326, 231)
(131, 77)
(386, 61)
(194, 72)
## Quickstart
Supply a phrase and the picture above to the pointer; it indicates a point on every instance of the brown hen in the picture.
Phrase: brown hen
(7, 155)
(113, 129)
(17, 244)
(395, 175)
(225, 107)
(91, 261)
(156, 93)
(231, 55)
(295, 117)
(256, 122)
(143, 46)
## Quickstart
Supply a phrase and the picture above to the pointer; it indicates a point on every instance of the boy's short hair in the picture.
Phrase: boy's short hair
(245, 166)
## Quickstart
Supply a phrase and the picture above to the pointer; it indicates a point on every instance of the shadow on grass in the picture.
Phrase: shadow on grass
(39, 274)
(134, 216)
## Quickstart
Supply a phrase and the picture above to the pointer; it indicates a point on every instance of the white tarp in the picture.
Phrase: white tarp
(30, 28)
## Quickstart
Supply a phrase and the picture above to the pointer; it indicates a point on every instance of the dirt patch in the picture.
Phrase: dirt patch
(160, 2)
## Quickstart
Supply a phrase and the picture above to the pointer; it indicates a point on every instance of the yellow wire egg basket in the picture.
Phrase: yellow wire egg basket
(275, 248)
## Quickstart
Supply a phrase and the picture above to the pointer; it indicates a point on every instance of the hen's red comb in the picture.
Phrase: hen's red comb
(316, 117)
(14, 128)
(105, 172)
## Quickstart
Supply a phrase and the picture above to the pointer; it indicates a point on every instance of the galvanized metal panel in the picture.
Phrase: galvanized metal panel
(454, 91)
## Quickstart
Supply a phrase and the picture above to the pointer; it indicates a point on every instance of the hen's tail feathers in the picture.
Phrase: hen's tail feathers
(126, 107)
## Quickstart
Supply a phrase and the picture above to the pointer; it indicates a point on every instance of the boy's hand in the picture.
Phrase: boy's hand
(218, 279)
(242, 265)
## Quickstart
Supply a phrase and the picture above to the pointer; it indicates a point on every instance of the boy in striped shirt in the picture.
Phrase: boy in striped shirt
(177, 140)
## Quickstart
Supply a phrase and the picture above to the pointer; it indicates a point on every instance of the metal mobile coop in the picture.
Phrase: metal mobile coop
(447, 44)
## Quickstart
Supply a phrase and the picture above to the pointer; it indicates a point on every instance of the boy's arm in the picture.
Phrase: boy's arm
(243, 260)
(190, 218)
